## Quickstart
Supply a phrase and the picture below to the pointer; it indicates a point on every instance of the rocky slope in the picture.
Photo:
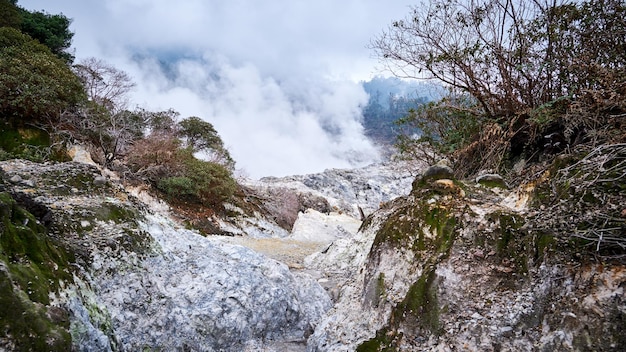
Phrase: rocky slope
(123, 278)
(461, 266)
(438, 264)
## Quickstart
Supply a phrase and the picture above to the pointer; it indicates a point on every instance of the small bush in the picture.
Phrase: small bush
(214, 182)
(161, 161)
(178, 186)
(444, 127)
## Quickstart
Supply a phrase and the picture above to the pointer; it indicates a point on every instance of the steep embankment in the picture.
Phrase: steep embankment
(462, 266)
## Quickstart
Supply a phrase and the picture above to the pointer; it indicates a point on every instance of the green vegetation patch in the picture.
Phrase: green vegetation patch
(420, 304)
(24, 142)
(31, 267)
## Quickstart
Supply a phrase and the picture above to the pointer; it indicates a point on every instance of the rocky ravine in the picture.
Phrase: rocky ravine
(123, 278)
(446, 266)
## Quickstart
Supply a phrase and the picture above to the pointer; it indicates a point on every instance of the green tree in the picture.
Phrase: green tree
(201, 136)
(35, 85)
(9, 14)
(200, 181)
(161, 160)
(160, 121)
(51, 30)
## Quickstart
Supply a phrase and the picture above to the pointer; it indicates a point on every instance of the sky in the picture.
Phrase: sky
(279, 79)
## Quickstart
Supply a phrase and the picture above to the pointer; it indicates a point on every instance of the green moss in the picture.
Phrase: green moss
(31, 267)
(380, 286)
(116, 213)
(26, 323)
(383, 342)
(418, 310)
(421, 302)
(512, 245)
(418, 227)
(543, 244)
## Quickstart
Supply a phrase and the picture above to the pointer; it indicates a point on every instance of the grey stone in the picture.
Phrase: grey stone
(100, 181)
(15, 179)
(438, 172)
(492, 180)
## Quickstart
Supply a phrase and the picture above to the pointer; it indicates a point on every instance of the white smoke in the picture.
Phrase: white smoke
(271, 127)
(276, 78)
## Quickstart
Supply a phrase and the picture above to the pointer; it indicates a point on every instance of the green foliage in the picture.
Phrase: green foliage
(160, 160)
(23, 142)
(179, 187)
(9, 14)
(160, 121)
(201, 136)
(203, 182)
(50, 30)
(446, 125)
(34, 84)
(550, 111)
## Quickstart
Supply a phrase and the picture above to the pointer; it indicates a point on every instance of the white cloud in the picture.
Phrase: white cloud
(276, 78)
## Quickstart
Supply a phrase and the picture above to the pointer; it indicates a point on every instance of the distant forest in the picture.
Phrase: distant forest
(390, 99)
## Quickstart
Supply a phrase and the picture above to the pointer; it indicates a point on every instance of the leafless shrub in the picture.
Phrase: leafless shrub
(155, 157)
(587, 200)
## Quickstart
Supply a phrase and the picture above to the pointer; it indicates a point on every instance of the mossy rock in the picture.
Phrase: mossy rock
(492, 181)
(418, 226)
(428, 230)
(31, 267)
(384, 340)
(433, 173)
(419, 310)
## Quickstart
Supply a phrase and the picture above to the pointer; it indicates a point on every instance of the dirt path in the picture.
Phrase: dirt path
(289, 251)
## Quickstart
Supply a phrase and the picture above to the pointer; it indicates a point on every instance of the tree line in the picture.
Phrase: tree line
(525, 67)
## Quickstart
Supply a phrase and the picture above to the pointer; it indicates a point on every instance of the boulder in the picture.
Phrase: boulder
(492, 180)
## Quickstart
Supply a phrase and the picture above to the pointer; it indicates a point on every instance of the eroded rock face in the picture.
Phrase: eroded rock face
(462, 271)
(139, 281)
(204, 294)
(366, 188)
